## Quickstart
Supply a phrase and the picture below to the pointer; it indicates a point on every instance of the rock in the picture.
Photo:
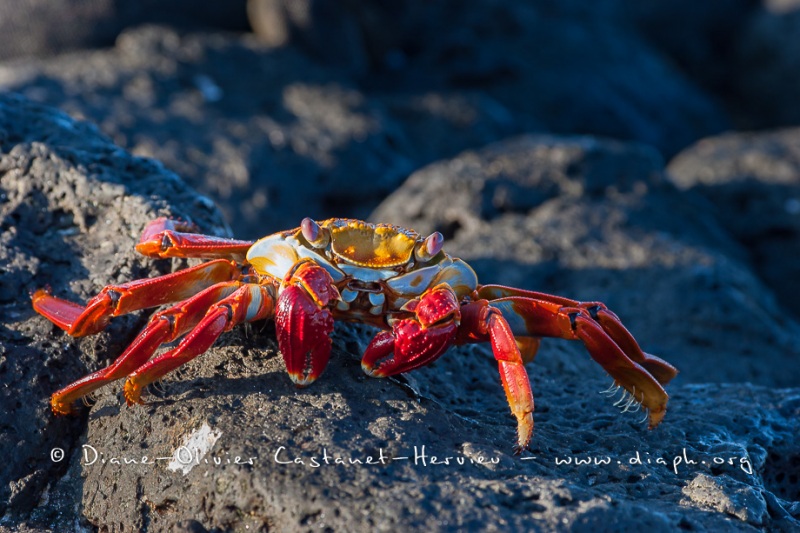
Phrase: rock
(589, 466)
(598, 220)
(440, 124)
(252, 125)
(752, 186)
(740, 500)
(561, 66)
(72, 205)
(272, 136)
(268, 134)
(349, 418)
(769, 55)
(701, 37)
(37, 28)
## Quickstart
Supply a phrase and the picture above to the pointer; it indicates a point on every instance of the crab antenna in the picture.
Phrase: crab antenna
(431, 246)
(313, 233)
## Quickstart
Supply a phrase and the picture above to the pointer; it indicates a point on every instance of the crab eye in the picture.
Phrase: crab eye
(310, 229)
(316, 236)
(428, 248)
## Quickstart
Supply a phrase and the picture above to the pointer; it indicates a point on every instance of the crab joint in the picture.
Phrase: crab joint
(573, 320)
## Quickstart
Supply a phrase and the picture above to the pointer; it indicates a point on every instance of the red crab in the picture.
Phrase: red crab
(421, 298)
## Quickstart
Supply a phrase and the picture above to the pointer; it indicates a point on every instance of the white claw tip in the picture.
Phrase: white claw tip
(301, 381)
(371, 372)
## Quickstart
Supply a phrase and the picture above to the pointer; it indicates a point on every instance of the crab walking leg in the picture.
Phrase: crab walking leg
(418, 340)
(248, 303)
(611, 324)
(440, 322)
(165, 237)
(657, 367)
(527, 316)
(164, 326)
(479, 321)
(303, 321)
(115, 300)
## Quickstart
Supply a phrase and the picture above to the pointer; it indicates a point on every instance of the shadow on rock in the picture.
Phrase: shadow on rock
(750, 182)
(72, 206)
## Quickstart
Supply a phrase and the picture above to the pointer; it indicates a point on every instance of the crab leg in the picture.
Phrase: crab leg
(611, 324)
(529, 316)
(479, 321)
(115, 300)
(439, 322)
(248, 303)
(165, 237)
(164, 326)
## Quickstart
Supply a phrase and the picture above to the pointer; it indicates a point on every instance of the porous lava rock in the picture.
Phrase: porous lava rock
(751, 181)
(231, 444)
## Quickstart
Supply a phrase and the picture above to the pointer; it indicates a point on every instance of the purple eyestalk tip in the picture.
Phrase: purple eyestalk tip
(310, 229)
(433, 243)
(427, 249)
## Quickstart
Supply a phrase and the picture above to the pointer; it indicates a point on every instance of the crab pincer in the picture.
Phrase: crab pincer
(304, 322)
(417, 340)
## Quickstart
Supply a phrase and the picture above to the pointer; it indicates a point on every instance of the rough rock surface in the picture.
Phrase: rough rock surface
(38, 28)
(273, 136)
(752, 183)
(270, 134)
(597, 220)
(62, 181)
(768, 59)
(565, 66)
(725, 458)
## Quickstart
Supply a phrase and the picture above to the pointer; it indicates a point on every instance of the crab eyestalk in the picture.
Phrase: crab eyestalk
(315, 235)
(427, 249)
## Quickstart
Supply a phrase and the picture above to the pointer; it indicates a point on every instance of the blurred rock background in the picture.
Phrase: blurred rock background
(645, 154)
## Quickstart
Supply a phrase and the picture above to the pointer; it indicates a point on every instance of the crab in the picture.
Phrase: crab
(422, 300)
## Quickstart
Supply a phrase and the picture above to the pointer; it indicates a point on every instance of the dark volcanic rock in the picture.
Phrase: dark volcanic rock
(567, 66)
(769, 69)
(725, 458)
(752, 183)
(703, 38)
(267, 133)
(45, 28)
(72, 205)
(272, 136)
(597, 220)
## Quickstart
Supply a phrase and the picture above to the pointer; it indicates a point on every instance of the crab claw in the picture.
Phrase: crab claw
(303, 323)
(417, 341)
(406, 347)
